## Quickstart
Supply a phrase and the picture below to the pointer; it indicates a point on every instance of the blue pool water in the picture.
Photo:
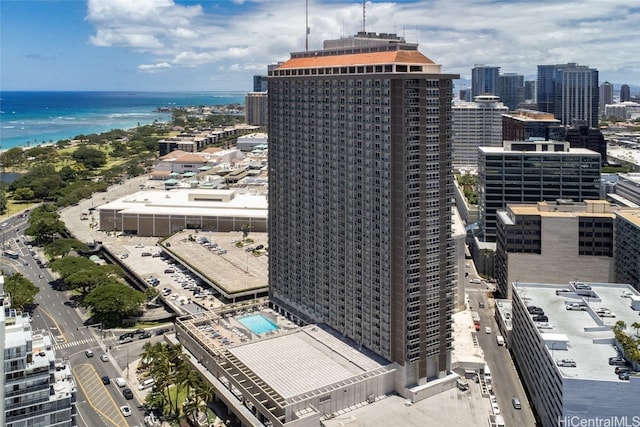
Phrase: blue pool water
(258, 324)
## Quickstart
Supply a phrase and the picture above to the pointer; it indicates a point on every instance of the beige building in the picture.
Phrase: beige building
(159, 212)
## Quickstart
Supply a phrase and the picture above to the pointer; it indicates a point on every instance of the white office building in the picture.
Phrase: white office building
(476, 124)
(564, 359)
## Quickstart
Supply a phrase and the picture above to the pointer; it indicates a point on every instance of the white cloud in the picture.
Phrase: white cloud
(246, 36)
(154, 68)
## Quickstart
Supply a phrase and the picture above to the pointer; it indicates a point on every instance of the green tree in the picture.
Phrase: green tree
(636, 326)
(62, 247)
(45, 227)
(89, 157)
(150, 293)
(22, 290)
(67, 266)
(112, 303)
(23, 193)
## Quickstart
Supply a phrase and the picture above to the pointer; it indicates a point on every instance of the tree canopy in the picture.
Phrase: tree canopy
(111, 303)
(21, 289)
(89, 157)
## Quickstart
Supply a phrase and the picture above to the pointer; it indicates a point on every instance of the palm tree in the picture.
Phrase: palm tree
(636, 326)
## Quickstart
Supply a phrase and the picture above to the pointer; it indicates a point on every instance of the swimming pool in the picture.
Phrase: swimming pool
(258, 324)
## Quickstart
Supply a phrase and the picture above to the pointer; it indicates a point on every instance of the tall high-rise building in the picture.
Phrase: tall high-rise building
(37, 389)
(259, 83)
(606, 96)
(511, 89)
(569, 91)
(256, 108)
(476, 124)
(484, 80)
(625, 93)
(530, 91)
(360, 198)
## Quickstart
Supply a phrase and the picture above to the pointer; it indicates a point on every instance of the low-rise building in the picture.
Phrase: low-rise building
(564, 360)
(554, 241)
(160, 212)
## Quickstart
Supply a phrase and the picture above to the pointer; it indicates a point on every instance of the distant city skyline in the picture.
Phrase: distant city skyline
(203, 45)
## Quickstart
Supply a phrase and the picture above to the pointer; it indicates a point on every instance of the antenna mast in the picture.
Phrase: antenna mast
(364, 14)
(307, 29)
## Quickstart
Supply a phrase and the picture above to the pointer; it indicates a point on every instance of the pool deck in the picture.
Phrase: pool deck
(219, 329)
(259, 327)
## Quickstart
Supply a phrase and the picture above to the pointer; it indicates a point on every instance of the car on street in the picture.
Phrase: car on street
(139, 331)
(127, 393)
(106, 380)
(104, 358)
(126, 411)
(120, 382)
(88, 353)
(125, 340)
(124, 256)
(145, 335)
(162, 331)
(487, 330)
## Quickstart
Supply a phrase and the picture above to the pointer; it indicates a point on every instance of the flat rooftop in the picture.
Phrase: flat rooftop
(581, 335)
(182, 201)
(309, 359)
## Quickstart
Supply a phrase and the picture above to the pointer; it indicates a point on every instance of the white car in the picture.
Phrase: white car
(477, 281)
(104, 358)
(487, 330)
(126, 411)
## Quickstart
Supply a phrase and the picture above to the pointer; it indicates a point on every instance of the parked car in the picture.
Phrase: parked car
(618, 361)
(567, 363)
(620, 369)
(623, 376)
(145, 335)
(540, 318)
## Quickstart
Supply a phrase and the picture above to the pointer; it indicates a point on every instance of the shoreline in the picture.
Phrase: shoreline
(30, 119)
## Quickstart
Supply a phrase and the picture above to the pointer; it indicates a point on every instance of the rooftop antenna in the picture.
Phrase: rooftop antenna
(364, 15)
(307, 29)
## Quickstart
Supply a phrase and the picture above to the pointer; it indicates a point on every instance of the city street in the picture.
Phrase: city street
(505, 380)
(55, 313)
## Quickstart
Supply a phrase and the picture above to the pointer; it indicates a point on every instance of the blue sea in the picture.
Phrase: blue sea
(28, 119)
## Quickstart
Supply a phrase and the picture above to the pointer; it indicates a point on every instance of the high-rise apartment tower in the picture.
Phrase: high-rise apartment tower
(570, 92)
(484, 80)
(360, 190)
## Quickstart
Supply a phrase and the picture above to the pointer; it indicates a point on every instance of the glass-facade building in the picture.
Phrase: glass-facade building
(570, 92)
(530, 172)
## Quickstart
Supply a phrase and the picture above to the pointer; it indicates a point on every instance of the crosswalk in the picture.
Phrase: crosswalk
(74, 343)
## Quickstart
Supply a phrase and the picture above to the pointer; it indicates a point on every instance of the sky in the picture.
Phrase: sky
(218, 45)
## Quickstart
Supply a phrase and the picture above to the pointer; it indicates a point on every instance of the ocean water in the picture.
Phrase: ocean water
(28, 119)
